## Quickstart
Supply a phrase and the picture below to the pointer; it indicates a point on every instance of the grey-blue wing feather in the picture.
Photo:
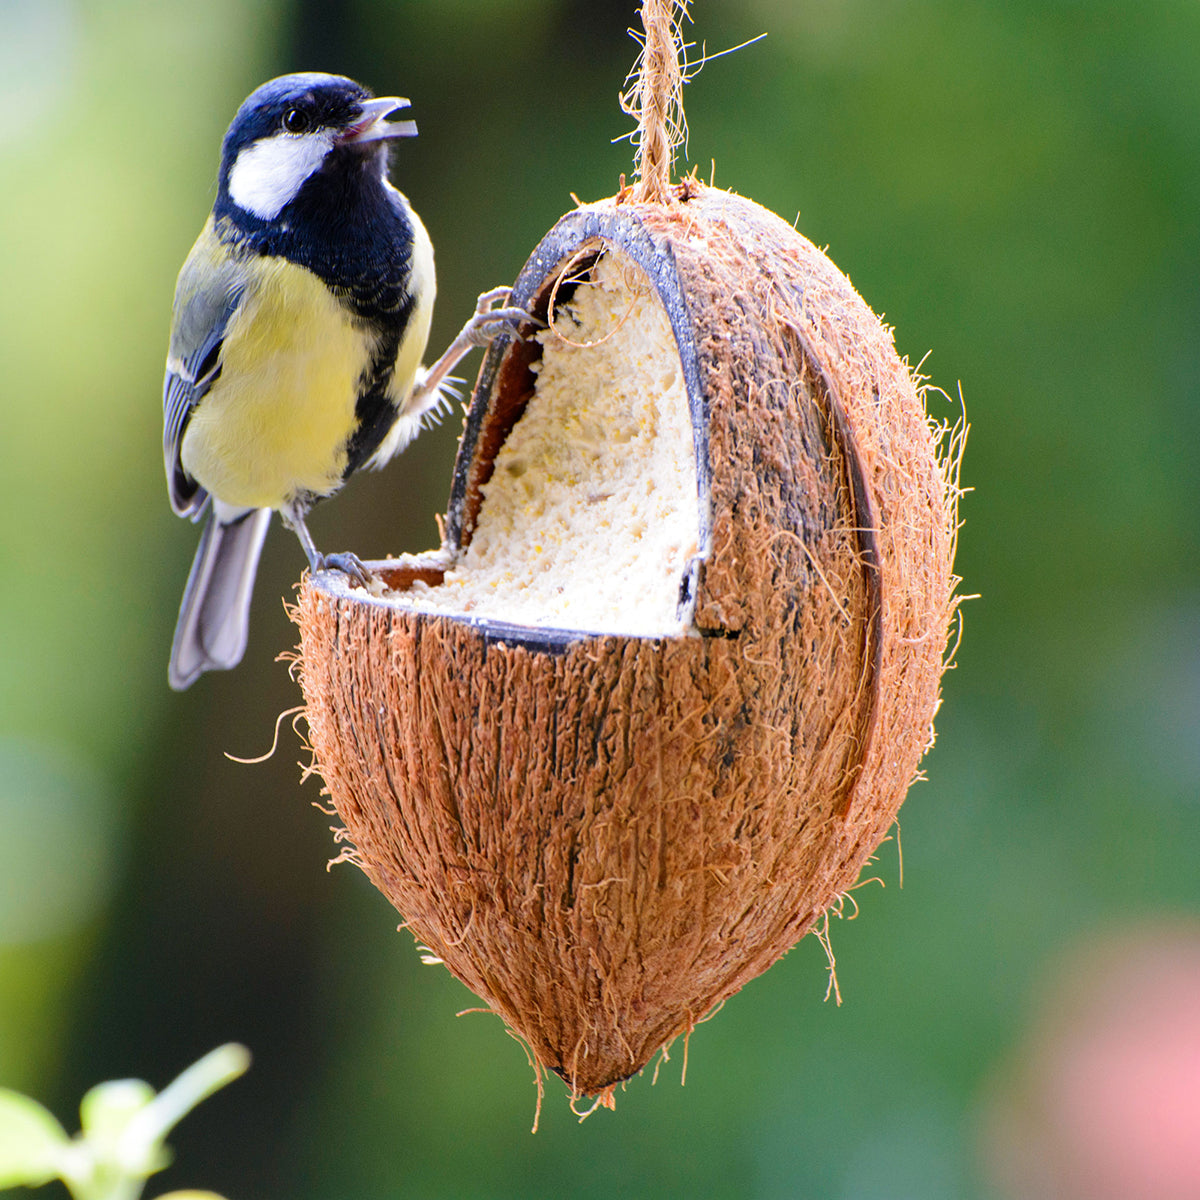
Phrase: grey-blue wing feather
(210, 289)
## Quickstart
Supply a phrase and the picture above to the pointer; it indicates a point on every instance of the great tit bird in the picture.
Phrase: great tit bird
(300, 320)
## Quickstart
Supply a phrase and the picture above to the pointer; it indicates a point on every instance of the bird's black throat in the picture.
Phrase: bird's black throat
(347, 227)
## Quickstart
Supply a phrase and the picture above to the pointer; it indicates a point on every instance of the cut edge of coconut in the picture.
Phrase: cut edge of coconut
(507, 383)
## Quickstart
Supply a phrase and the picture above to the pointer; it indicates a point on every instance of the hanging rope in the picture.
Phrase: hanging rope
(653, 95)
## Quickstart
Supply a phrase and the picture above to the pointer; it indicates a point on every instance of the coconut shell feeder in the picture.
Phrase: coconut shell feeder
(623, 739)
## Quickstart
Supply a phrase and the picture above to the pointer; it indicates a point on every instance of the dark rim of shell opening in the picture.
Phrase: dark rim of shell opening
(505, 386)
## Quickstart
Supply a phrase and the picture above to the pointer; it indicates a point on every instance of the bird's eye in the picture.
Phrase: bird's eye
(295, 120)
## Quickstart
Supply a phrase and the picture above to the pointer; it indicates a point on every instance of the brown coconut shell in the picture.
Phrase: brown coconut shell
(606, 836)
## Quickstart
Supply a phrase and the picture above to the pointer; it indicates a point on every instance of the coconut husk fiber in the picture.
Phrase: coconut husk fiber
(604, 836)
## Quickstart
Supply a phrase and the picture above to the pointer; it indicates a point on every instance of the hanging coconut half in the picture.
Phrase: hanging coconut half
(617, 745)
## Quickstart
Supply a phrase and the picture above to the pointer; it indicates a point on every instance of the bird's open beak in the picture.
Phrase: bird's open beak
(371, 126)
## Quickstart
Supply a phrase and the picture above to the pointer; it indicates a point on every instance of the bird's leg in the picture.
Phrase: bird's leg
(349, 564)
(487, 322)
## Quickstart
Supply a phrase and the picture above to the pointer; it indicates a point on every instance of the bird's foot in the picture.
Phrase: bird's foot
(293, 515)
(349, 564)
(489, 322)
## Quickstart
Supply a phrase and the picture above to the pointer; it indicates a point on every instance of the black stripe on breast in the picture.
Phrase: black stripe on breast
(374, 409)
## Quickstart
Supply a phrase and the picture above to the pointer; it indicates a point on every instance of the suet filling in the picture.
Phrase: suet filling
(590, 517)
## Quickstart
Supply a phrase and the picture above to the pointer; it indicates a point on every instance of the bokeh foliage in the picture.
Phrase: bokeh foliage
(1013, 183)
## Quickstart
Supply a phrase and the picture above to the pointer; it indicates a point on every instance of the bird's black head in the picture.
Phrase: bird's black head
(294, 126)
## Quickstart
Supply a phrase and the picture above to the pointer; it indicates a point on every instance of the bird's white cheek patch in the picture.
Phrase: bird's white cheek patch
(267, 174)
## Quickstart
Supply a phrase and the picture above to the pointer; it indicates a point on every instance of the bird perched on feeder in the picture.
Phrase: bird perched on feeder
(300, 321)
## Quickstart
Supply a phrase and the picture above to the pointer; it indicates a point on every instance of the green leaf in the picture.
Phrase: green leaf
(31, 1141)
(217, 1068)
(106, 1110)
(189, 1194)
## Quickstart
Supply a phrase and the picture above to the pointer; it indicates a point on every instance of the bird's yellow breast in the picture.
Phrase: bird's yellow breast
(276, 422)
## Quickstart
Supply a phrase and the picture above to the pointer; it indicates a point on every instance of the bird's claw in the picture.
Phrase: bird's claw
(349, 564)
(488, 299)
(489, 322)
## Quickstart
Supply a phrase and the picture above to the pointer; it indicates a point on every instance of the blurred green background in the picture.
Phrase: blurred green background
(1014, 184)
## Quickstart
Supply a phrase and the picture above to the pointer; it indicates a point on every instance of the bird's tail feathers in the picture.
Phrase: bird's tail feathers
(215, 612)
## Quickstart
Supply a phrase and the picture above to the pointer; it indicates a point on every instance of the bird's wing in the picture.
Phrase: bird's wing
(210, 289)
